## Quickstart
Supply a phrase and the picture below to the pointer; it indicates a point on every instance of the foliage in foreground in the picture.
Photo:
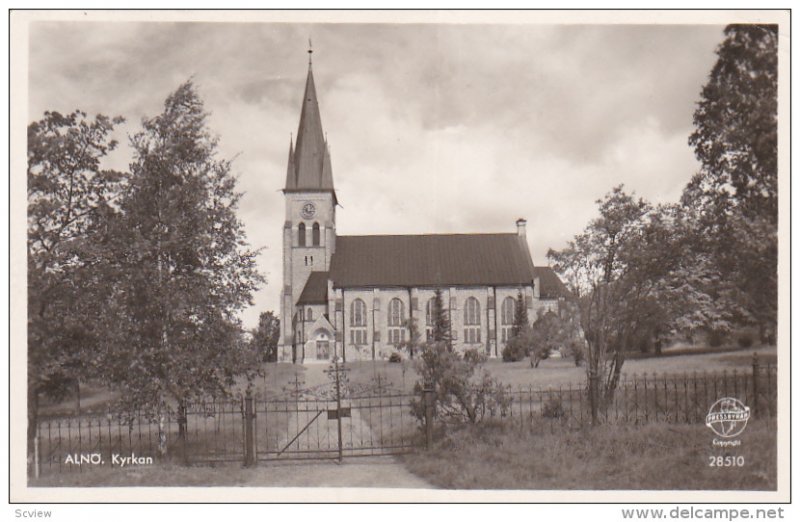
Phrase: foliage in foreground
(464, 391)
(503, 456)
(135, 278)
(70, 200)
(642, 272)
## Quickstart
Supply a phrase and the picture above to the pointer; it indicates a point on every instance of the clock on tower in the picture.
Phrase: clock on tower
(308, 210)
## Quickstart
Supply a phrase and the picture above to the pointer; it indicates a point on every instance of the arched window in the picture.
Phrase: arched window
(507, 317)
(397, 332)
(315, 234)
(309, 315)
(358, 322)
(301, 234)
(429, 318)
(472, 321)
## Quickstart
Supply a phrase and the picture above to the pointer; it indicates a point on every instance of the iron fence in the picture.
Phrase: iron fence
(319, 428)
(640, 399)
(372, 422)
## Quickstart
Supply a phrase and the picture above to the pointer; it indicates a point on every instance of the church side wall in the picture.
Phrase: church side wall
(377, 305)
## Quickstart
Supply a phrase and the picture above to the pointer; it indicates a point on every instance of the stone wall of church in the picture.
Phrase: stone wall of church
(299, 261)
(376, 342)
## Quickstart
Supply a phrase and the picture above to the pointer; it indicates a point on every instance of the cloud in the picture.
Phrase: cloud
(433, 128)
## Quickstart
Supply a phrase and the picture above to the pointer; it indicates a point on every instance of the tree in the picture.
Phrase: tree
(414, 342)
(734, 197)
(266, 335)
(519, 345)
(736, 123)
(441, 321)
(183, 269)
(520, 315)
(70, 199)
(548, 334)
(615, 267)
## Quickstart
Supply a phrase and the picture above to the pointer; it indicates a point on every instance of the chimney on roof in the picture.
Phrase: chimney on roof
(521, 230)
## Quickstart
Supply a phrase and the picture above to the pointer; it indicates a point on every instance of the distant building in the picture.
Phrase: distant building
(352, 296)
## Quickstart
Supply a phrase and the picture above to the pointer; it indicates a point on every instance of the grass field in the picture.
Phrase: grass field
(650, 457)
(551, 372)
(278, 378)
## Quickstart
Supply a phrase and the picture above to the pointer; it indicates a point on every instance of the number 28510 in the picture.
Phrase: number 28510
(729, 461)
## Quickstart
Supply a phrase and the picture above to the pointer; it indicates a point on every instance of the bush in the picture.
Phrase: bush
(474, 356)
(464, 390)
(716, 338)
(395, 358)
(516, 349)
(745, 341)
(573, 349)
(553, 409)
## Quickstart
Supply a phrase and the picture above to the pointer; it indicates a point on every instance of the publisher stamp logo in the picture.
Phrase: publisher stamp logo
(728, 417)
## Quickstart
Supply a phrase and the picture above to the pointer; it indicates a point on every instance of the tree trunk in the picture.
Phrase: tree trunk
(77, 397)
(33, 419)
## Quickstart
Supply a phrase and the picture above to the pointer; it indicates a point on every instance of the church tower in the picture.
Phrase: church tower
(309, 231)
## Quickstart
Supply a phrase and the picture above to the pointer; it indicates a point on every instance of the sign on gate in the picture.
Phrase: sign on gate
(339, 413)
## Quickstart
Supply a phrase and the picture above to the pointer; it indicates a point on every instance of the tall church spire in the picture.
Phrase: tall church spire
(311, 158)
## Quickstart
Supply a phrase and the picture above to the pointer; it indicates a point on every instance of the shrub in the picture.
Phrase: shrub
(513, 352)
(745, 341)
(395, 358)
(573, 349)
(553, 409)
(519, 346)
(716, 338)
(464, 390)
(473, 355)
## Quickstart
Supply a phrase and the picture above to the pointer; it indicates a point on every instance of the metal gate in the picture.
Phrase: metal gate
(334, 423)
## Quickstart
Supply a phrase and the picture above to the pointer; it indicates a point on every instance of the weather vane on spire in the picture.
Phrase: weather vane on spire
(310, 52)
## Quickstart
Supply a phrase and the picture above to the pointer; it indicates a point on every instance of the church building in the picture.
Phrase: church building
(354, 296)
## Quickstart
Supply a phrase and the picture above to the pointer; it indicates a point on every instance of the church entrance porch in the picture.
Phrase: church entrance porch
(319, 347)
(319, 344)
(323, 350)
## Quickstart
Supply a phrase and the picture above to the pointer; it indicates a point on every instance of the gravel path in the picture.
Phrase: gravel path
(358, 472)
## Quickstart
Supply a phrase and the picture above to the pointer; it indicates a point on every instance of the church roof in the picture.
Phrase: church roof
(310, 165)
(431, 260)
(316, 289)
(550, 285)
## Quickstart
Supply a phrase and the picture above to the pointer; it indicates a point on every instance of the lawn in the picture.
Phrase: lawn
(649, 457)
(400, 377)
(278, 379)
(655, 456)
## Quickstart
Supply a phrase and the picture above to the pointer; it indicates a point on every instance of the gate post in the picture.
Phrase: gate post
(338, 408)
(428, 400)
(182, 426)
(37, 467)
(755, 383)
(249, 430)
(593, 395)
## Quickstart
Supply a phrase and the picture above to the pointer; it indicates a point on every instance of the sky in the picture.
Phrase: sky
(433, 128)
